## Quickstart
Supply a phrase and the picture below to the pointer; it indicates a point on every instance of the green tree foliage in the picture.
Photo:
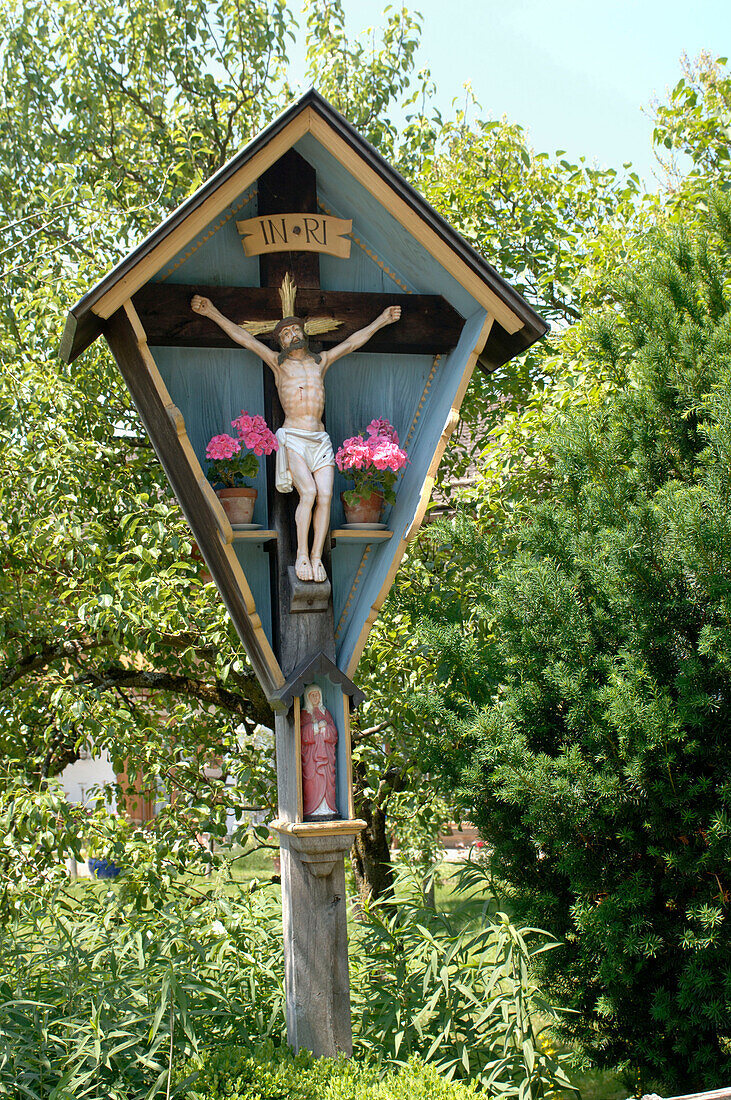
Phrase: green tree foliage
(547, 224)
(110, 637)
(560, 231)
(548, 235)
(111, 115)
(572, 227)
(582, 670)
(695, 123)
(553, 228)
(365, 78)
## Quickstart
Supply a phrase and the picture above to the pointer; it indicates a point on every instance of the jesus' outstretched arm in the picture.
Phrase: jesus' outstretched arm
(361, 337)
(206, 308)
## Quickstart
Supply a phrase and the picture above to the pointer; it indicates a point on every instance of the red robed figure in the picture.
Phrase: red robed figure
(319, 741)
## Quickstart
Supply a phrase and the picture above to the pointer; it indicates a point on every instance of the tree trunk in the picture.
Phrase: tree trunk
(370, 855)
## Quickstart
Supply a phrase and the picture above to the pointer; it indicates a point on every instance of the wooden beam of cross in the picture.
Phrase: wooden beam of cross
(429, 325)
(313, 902)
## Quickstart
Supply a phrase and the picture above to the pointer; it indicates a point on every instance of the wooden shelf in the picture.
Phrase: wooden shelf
(315, 828)
(346, 537)
(339, 535)
(254, 536)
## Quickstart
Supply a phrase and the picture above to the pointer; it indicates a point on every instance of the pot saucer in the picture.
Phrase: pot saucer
(364, 526)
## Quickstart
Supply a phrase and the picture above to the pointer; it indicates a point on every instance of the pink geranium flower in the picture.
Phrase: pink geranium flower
(382, 428)
(353, 455)
(372, 464)
(222, 446)
(230, 466)
(388, 456)
(254, 433)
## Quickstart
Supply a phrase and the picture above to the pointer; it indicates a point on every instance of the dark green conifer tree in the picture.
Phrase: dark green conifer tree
(581, 699)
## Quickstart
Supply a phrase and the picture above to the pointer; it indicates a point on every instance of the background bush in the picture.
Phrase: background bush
(583, 703)
(271, 1073)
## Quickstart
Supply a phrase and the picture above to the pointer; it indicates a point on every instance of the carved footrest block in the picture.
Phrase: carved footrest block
(307, 595)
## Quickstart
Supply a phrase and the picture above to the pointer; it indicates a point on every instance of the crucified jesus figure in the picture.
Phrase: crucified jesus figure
(305, 457)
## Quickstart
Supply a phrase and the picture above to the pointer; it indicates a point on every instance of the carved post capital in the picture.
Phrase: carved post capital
(319, 847)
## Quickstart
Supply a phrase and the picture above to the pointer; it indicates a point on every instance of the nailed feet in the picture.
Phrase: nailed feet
(318, 570)
(302, 568)
(309, 570)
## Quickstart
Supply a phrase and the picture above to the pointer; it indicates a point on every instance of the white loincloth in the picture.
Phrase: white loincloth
(314, 447)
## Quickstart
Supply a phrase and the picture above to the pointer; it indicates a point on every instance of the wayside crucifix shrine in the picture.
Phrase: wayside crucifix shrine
(309, 297)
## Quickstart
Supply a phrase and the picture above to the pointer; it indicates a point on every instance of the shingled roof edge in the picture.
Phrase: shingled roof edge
(82, 329)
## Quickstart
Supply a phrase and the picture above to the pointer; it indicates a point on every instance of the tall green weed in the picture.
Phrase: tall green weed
(100, 999)
(103, 995)
(461, 998)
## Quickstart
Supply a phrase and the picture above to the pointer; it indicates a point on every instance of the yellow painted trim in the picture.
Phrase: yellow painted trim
(347, 741)
(372, 255)
(308, 121)
(420, 406)
(202, 240)
(414, 224)
(409, 437)
(298, 758)
(225, 530)
(196, 222)
(353, 590)
(449, 426)
(225, 533)
(312, 828)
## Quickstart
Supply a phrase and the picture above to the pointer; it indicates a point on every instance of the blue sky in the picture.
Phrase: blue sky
(575, 74)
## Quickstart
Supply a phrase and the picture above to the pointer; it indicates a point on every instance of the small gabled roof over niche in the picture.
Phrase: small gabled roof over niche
(307, 671)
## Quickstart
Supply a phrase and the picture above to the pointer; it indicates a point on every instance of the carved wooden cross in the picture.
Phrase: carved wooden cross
(299, 649)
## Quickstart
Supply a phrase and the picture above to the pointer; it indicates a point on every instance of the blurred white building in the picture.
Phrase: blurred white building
(81, 779)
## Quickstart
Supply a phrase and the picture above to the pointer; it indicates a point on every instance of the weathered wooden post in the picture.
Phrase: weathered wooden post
(310, 222)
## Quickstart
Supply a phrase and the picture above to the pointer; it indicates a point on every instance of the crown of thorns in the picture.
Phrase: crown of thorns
(311, 327)
(285, 323)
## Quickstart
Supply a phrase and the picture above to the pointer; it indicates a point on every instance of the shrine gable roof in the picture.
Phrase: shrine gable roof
(306, 671)
(516, 326)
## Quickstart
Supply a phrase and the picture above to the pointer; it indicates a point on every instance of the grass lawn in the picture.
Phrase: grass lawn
(260, 863)
(600, 1085)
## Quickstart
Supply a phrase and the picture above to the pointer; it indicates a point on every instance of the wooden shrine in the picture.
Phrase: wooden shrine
(309, 203)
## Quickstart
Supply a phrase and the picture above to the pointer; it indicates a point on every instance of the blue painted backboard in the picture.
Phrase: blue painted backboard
(414, 392)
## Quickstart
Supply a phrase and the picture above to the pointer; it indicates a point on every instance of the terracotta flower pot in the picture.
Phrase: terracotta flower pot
(367, 510)
(238, 504)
